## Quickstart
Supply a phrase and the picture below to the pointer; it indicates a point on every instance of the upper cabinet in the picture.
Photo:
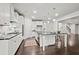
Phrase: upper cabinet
(4, 13)
(9, 13)
(16, 16)
(10, 17)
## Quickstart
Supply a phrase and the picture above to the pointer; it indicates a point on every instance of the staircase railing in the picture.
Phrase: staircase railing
(68, 28)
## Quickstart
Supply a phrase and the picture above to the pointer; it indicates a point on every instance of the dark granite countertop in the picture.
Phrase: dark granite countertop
(9, 36)
(46, 33)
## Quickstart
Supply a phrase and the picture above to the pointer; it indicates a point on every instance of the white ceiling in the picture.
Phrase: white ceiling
(74, 20)
(46, 9)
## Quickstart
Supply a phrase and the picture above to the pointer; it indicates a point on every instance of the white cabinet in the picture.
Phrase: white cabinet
(4, 13)
(47, 40)
(14, 44)
(9, 47)
(7, 15)
(3, 47)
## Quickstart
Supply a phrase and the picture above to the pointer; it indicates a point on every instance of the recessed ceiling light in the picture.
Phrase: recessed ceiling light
(44, 23)
(48, 22)
(34, 11)
(56, 14)
(33, 17)
(54, 20)
(49, 18)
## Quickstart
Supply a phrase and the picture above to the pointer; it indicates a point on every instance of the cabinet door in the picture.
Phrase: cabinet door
(11, 47)
(14, 44)
(4, 13)
(18, 41)
(3, 47)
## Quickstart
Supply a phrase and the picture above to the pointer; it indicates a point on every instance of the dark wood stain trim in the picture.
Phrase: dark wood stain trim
(19, 47)
(51, 45)
(37, 42)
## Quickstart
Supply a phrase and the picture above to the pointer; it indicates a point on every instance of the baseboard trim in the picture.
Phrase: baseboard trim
(19, 47)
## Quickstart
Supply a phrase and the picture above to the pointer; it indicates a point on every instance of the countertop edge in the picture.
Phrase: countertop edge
(11, 37)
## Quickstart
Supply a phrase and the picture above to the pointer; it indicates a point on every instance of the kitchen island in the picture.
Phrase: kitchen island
(10, 43)
(46, 39)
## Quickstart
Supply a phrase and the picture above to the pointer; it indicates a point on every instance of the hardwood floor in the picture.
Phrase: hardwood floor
(34, 49)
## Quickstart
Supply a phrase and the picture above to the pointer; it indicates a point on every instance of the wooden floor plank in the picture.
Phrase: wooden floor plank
(34, 49)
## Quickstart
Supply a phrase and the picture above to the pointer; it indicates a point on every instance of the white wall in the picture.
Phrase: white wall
(27, 28)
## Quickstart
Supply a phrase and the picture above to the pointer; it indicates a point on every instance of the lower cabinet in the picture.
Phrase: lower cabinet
(3, 47)
(14, 44)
